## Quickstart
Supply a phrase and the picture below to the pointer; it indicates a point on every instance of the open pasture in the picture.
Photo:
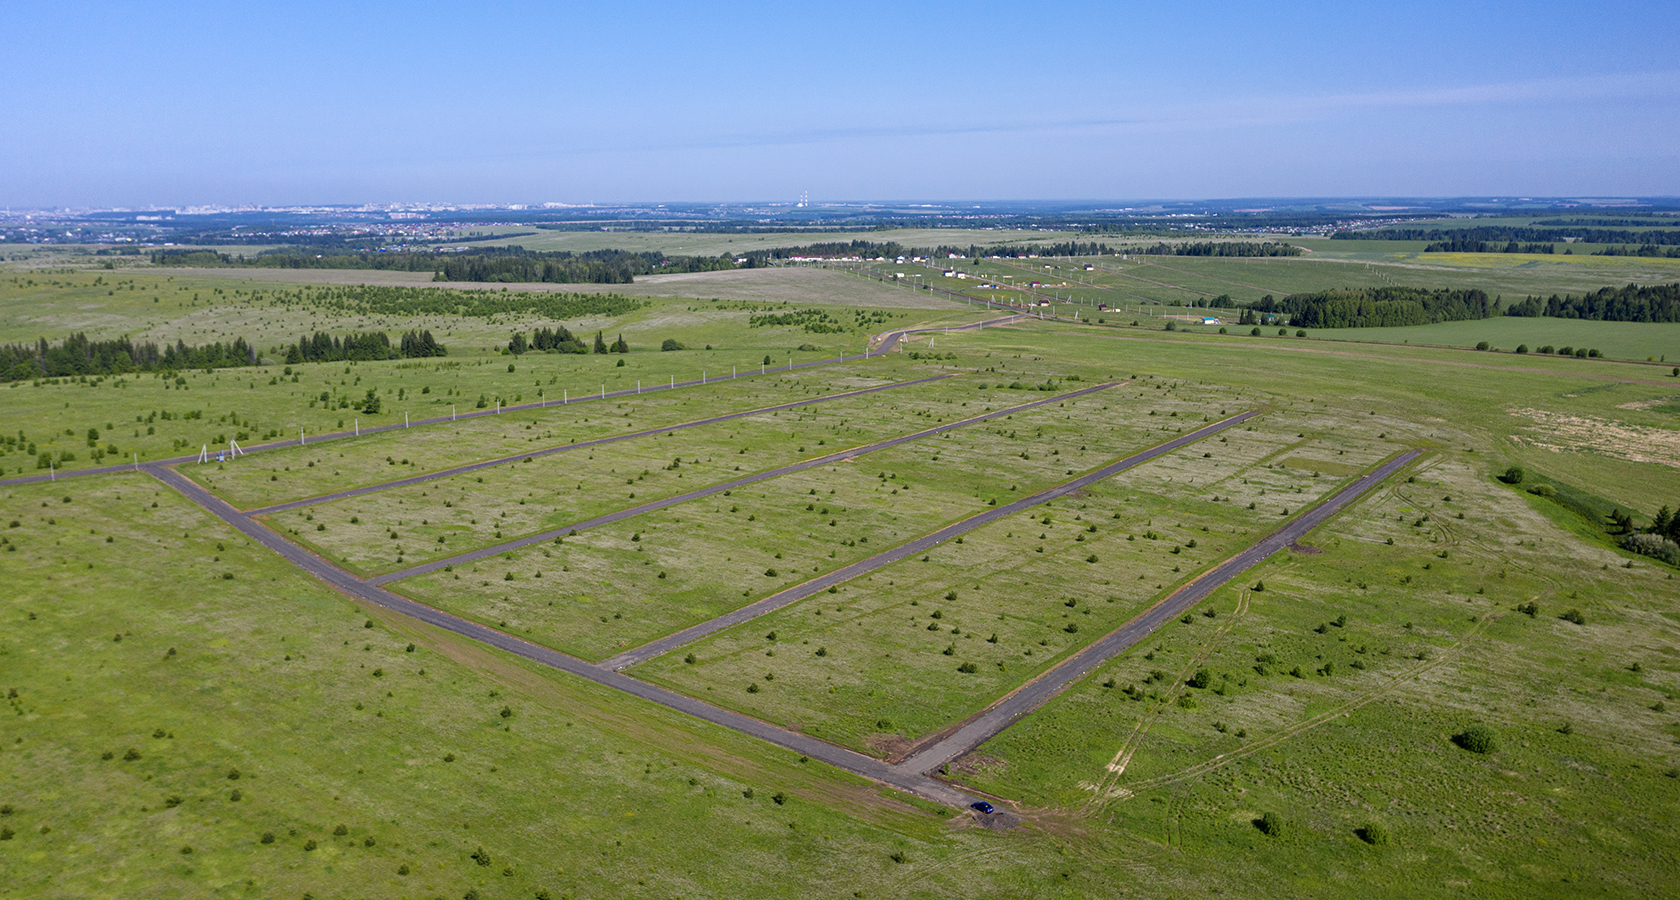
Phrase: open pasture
(1337, 675)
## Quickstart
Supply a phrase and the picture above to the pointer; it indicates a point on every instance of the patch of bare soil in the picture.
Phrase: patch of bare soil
(975, 764)
(1307, 549)
(890, 747)
(1563, 432)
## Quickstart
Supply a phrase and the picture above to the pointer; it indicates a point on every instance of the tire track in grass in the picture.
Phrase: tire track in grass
(1116, 767)
(1358, 701)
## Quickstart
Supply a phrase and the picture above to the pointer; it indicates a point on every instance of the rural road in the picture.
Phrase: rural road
(908, 776)
(903, 551)
(709, 490)
(856, 763)
(1006, 712)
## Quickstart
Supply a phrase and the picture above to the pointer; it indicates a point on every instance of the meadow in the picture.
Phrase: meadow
(1455, 686)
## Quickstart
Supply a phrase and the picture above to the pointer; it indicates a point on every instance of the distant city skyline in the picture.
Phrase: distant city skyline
(149, 105)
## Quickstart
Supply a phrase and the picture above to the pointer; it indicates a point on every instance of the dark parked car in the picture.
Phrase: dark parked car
(982, 807)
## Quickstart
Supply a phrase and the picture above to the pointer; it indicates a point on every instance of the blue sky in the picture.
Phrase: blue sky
(126, 104)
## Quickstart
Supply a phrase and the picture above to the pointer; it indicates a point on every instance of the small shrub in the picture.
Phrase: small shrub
(778, 798)
(1573, 615)
(1272, 825)
(310, 844)
(1477, 739)
(341, 830)
(967, 668)
(1373, 833)
(1513, 475)
(267, 838)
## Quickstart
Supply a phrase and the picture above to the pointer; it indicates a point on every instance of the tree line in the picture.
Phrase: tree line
(1649, 251)
(548, 340)
(1633, 303)
(371, 345)
(1506, 233)
(76, 355)
(1379, 307)
(1460, 245)
(369, 300)
(511, 264)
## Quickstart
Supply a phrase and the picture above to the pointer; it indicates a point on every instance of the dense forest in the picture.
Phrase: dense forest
(1220, 248)
(1378, 307)
(1634, 303)
(324, 347)
(76, 355)
(1504, 234)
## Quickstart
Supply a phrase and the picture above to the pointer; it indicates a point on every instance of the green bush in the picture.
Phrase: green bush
(1272, 825)
(1573, 615)
(1477, 739)
(1373, 833)
(672, 344)
(1513, 475)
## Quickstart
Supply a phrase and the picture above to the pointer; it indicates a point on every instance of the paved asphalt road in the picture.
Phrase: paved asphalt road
(889, 340)
(903, 551)
(908, 776)
(1006, 712)
(621, 515)
(838, 757)
(565, 448)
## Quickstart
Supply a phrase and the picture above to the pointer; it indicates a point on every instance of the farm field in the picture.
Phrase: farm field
(1381, 692)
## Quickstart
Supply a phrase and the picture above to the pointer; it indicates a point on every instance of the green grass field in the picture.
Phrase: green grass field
(1340, 681)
